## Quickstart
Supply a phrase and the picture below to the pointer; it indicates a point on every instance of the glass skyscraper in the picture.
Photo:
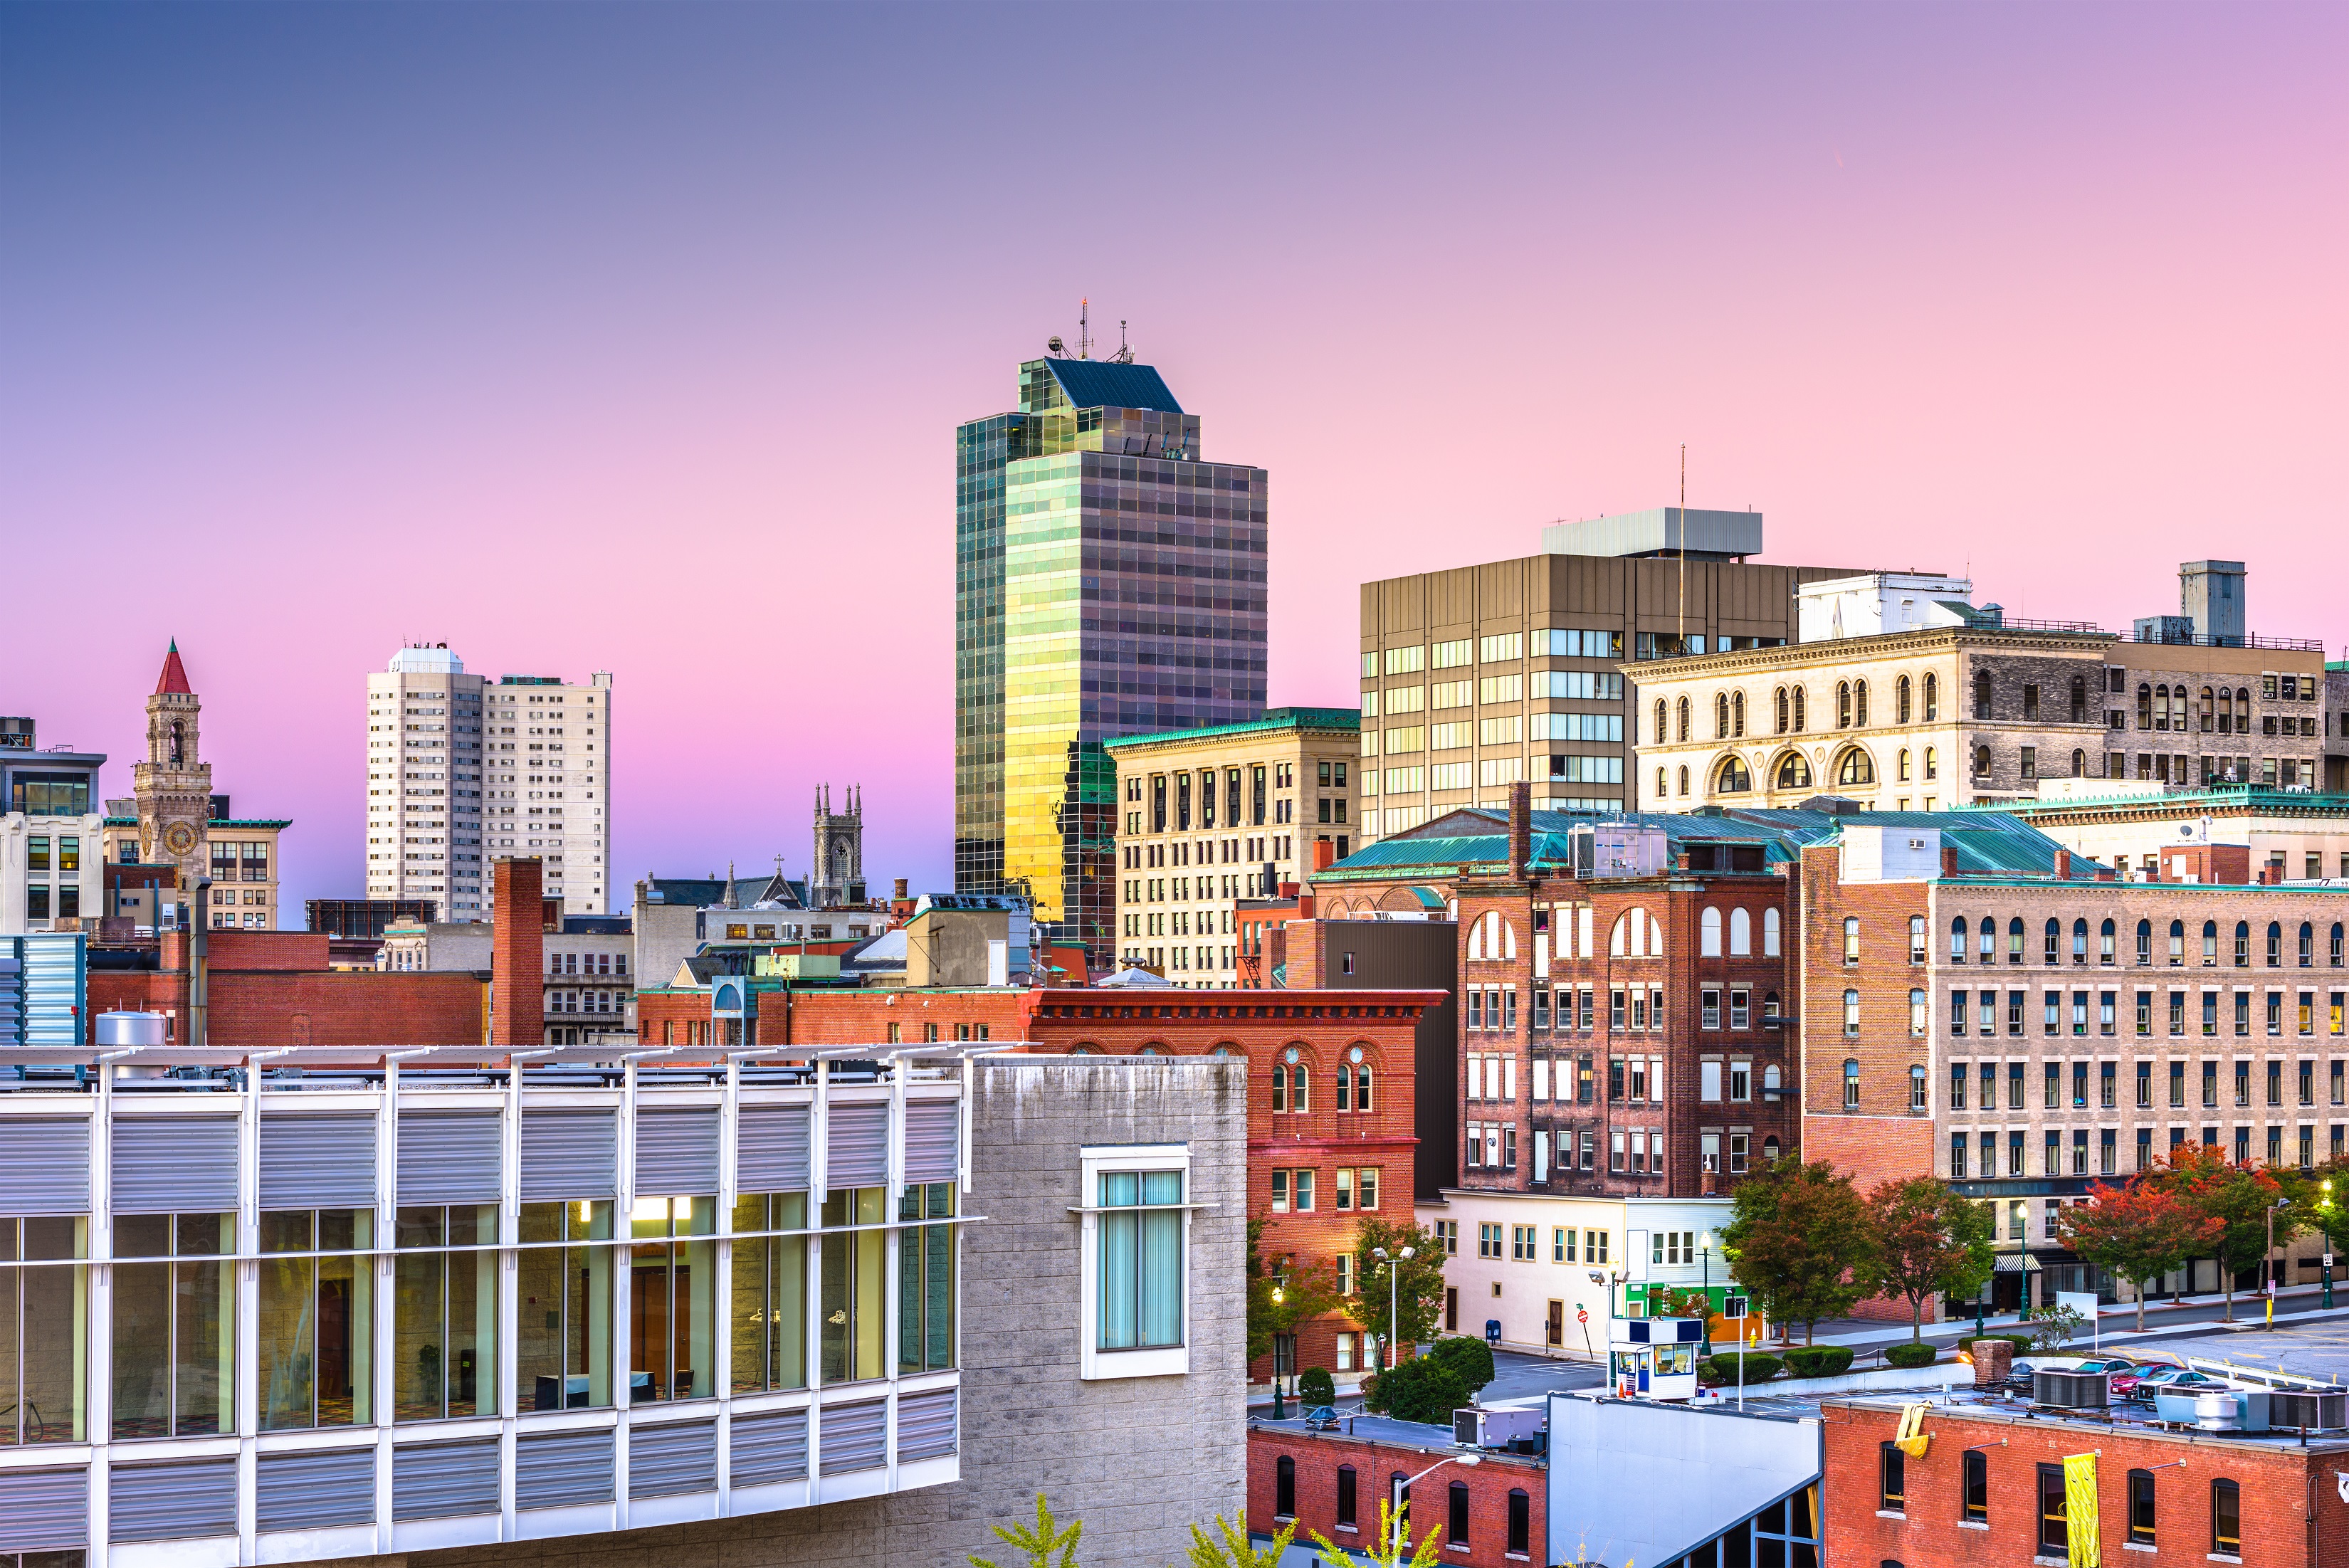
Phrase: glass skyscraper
(1108, 581)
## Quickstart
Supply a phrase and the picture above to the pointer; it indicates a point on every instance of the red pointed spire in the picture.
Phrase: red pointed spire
(175, 675)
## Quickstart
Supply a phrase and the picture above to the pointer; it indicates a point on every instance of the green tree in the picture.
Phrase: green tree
(1467, 1356)
(1925, 1241)
(1424, 1388)
(1229, 1547)
(1799, 1242)
(2239, 1197)
(1040, 1540)
(1282, 1294)
(1392, 1549)
(2139, 1230)
(1418, 1281)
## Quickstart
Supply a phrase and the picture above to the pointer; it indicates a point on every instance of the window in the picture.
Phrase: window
(769, 1309)
(1850, 940)
(316, 1319)
(1456, 1517)
(174, 1325)
(2054, 1536)
(1283, 1488)
(2140, 1507)
(1136, 1272)
(1521, 1531)
(2226, 1518)
(1851, 1012)
(926, 1278)
(1917, 1101)
(1892, 1479)
(1976, 1485)
(1850, 1084)
(1348, 1509)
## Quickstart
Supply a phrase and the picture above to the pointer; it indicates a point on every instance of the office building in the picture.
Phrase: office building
(1478, 676)
(241, 858)
(1110, 580)
(51, 832)
(1208, 817)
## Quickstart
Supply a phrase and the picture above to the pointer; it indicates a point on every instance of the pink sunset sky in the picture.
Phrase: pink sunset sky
(633, 339)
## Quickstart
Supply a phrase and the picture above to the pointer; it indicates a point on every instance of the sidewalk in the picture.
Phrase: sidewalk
(2116, 1322)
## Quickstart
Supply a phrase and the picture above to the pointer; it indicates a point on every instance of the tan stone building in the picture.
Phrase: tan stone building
(2142, 827)
(1947, 715)
(1208, 817)
(242, 860)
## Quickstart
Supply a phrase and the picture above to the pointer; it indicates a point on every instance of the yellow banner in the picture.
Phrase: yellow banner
(2081, 1529)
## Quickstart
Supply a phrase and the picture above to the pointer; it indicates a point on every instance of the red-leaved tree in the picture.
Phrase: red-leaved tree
(2140, 1230)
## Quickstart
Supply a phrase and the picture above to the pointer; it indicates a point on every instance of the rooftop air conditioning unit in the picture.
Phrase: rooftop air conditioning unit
(2072, 1390)
(2232, 1410)
(1475, 1427)
(2310, 1409)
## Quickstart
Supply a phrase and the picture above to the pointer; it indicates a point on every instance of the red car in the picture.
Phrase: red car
(2141, 1383)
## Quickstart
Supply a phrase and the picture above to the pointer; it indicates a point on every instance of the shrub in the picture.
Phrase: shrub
(1910, 1355)
(1421, 1389)
(1316, 1387)
(1470, 1359)
(1759, 1368)
(1819, 1360)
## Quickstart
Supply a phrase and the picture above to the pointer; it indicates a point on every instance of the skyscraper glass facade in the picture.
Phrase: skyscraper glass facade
(1109, 583)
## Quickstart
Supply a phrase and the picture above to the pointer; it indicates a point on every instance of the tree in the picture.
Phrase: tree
(2239, 1197)
(1040, 1540)
(1799, 1242)
(1391, 1550)
(1424, 1388)
(2140, 1230)
(1230, 1546)
(1418, 1279)
(1926, 1241)
(1259, 1295)
(1282, 1294)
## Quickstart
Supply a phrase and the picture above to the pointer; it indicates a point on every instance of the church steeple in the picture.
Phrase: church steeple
(174, 679)
(174, 785)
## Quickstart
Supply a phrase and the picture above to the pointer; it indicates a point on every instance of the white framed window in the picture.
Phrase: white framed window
(1135, 1263)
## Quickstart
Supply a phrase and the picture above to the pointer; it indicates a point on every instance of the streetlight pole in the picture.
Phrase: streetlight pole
(1388, 1358)
(1279, 1411)
(2268, 1262)
(1704, 1251)
(1395, 1509)
(2325, 1204)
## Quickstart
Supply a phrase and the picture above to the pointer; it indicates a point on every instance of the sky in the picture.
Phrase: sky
(632, 338)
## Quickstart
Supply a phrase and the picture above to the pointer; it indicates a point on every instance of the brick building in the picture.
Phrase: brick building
(1981, 1004)
(1487, 1514)
(1990, 1489)
(271, 988)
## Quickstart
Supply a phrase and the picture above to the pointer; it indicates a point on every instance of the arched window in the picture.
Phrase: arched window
(1932, 697)
(2307, 946)
(2108, 936)
(1741, 934)
(2079, 700)
(1851, 939)
(1734, 778)
(1770, 1149)
(2242, 944)
(1916, 1074)
(1981, 695)
(1284, 1487)
(2275, 945)
(1737, 714)
(1900, 700)
(1778, 700)
(1859, 704)
(1661, 735)
(1850, 1066)
(2054, 935)
(1901, 766)
(2209, 943)
(1794, 772)
(2226, 1518)
(2162, 707)
(1917, 954)
(1345, 1088)
(2242, 710)
(1664, 788)
(2140, 1507)
(1521, 1521)
(1300, 1094)
(2334, 955)
(1958, 940)
(2144, 706)
(1279, 1088)
(1707, 926)
(1770, 932)
(1683, 780)
(2079, 763)
(1981, 761)
(1362, 1087)
(1772, 1082)
(1681, 718)
(2207, 711)
(1933, 764)
(2177, 712)
(2079, 941)
(1854, 767)
(1455, 1521)
(1721, 716)
(1800, 722)
(1843, 705)
(1851, 1012)
(1989, 940)
(2014, 941)
(1348, 1509)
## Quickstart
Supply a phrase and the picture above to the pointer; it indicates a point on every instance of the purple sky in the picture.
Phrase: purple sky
(633, 339)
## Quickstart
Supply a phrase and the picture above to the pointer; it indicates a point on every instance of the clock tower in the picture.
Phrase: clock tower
(175, 789)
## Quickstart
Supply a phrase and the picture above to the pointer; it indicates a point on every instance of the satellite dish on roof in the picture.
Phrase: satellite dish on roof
(1053, 346)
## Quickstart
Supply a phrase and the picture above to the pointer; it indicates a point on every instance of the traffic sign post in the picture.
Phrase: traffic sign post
(1582, 1317)
(1734, 1308)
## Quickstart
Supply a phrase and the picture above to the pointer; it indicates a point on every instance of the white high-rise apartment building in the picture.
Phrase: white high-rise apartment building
(424, 782)
(547, 750)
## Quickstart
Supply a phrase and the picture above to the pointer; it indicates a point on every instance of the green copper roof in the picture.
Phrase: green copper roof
(1275, 718)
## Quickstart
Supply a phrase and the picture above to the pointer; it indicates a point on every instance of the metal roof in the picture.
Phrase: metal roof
(1275, 718)
(1103, 383)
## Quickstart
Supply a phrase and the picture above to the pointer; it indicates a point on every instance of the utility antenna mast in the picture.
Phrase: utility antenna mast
(1085, 329)
(1683, 634)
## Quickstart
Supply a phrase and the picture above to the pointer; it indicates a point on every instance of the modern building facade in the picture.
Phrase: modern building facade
(1108, 581)
(1479, 676)
(548, 767)
(457, 1301)
(51, 832)
(1208, 817)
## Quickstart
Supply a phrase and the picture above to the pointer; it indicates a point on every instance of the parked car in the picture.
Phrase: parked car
(2151, 1381)
(2020, 1379)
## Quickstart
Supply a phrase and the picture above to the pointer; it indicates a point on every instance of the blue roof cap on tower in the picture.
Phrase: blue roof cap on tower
(1105, 384)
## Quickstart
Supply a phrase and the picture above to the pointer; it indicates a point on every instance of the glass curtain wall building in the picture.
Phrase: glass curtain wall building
(340, 1308)
(1110, 582)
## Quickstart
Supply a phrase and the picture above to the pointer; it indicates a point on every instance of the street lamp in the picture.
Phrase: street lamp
(1704, 1251)
(1387, 1357)
(1395, 1507)
(2325, 1204)
(2268, 1260)
(1279, 1411)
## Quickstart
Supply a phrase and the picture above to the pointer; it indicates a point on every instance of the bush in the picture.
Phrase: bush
(1910, 1355)
(1819, 1360)
(1420, 1389)
(1316, 1387)
(1469, 1359)
(1759, 1368)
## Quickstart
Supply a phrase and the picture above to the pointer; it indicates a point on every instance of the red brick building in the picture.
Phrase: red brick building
(1990, 1489)
(271, 988)
(1487, 1515)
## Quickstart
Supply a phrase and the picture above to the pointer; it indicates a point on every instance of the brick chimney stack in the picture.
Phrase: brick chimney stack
(1325, 854)
(1521, 828)
(1948, 859)
(2064, 865)
(518, 957)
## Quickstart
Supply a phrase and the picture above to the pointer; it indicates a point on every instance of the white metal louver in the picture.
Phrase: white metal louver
(49, 1509)
(444, 1481)
(45, 1165)
(771, 1149)
(764, 1450)
(933, 1141)
(562, 1470)
(314, 1489)
(926, 1424)
(856, 1437)
(324, 1160)
(174, 1164)
(677, 1150)
(568, 1154)
(448, 1157)
(673, 1460)
(183, 1501)
(856, 1148)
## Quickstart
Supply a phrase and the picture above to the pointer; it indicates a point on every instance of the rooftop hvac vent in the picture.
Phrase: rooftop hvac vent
(2072, 1390)
(2310, 1409)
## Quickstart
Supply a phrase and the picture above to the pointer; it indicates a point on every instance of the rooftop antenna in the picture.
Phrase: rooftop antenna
(1125, 354)
(1683, 631)
(1085, 329)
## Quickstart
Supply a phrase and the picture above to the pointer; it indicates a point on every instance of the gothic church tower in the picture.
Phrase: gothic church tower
(173, 788)
(838, 877)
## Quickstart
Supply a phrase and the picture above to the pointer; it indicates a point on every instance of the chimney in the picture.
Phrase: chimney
(2064, 865)
(518, 957)
(1521, 828)
(1325, 854)
(1948, 859)
(899, 892)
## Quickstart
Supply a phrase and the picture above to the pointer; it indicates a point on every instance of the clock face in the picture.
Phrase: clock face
(179, 838)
